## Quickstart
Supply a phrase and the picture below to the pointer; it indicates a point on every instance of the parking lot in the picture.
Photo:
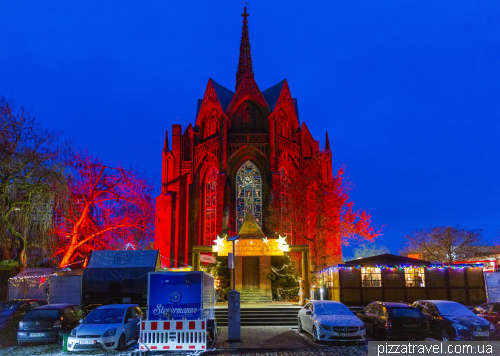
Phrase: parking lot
(255, 341)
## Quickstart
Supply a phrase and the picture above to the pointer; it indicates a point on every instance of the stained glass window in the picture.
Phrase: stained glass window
(210, 206)
(248, 194)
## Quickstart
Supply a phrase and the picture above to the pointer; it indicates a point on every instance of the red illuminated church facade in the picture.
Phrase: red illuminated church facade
(227, 163)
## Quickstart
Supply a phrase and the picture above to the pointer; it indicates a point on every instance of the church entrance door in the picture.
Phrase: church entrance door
(250, 272)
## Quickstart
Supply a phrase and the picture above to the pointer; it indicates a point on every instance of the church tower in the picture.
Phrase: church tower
(226, 165)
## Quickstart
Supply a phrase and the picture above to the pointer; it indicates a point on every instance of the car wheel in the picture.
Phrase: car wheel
(22, 344)
(378, 334)
(300, 327)
(445, 336)
(121, 343)
(315, 335)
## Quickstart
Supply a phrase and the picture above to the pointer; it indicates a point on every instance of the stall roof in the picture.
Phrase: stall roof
(124, 259)
(386, 259)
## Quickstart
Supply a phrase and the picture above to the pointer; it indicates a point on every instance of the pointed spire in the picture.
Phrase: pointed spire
(165, 147)
(327, 143)
(245, 61)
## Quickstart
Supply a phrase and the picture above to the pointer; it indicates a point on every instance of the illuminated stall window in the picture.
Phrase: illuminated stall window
(371, 277)
(210, 206)
(415, 277)
(249, 194)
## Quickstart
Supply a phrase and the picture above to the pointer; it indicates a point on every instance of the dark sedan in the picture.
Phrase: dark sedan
(489, 311)
(11, 313)
(384, 320)
(49, 323)
(450, 321)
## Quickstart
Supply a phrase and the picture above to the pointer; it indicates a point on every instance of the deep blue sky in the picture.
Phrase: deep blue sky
(409, 91)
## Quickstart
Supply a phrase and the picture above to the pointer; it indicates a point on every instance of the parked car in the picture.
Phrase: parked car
(108, 327)
(48, 323)
(490, 312)
(330, 321)
(11, 313)
(385, 320)
(453, 321)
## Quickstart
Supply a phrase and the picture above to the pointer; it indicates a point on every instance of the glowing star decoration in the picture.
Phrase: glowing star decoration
(218, 242)
(264, 240)
(282, 243)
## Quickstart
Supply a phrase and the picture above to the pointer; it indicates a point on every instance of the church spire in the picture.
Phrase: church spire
(327, 143)
(245, 61)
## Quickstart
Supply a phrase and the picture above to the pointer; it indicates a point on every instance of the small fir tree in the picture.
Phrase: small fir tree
(284, 279)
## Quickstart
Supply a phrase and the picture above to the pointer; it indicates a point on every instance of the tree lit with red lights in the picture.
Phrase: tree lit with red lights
(313, 208)
(106, 208)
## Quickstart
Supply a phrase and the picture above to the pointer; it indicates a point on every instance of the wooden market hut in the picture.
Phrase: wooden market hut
(392, 278)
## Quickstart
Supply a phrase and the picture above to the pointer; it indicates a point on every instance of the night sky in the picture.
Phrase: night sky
(409, 91)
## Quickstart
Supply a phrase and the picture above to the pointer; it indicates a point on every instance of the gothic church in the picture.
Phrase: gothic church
(226, 165)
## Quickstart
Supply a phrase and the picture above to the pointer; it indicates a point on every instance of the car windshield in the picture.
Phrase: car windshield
(454, 309)
(42, 314)
(406, 312)
(9, 308)
(105, 316)
(331, 309)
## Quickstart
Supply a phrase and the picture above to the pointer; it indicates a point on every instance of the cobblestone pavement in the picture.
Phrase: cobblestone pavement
(321, 350)
(267, 341)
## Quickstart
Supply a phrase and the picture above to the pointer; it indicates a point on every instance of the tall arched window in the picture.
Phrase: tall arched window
(210, 206)
(285, 221)
(249, 194)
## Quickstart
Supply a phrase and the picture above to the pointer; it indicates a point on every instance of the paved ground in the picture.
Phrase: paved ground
(270, 337)
(255, 341)
(259, 305)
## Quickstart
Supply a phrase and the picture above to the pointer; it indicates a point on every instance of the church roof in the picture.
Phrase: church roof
(224, 94)
(273, 93)
(250, 229)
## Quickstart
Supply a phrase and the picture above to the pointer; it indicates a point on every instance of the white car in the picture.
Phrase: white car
(327, 320)
(106, 328)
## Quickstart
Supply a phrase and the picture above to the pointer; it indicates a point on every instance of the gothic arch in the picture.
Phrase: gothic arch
(249, 117)
(248, 193)
(209, 205)
(234, 164)
(210, 124)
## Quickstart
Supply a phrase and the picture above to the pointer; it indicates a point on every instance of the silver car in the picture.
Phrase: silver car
(327, 320)
(106, 328)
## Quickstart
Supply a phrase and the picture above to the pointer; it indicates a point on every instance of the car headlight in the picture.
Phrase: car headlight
(492, 327)
(362, 327)
(109, 332)
(459, 327)
(324, 327)
(73, 333)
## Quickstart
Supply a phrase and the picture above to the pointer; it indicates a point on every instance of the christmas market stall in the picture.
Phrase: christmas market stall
(32, 283)
(118, 276)
(66, 287)
(392, 278)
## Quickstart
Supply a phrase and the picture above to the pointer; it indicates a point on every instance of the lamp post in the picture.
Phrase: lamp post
(233, 303)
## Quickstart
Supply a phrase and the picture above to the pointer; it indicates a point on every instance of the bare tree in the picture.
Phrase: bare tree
(442, 243)
(105, 208)
(31, 174)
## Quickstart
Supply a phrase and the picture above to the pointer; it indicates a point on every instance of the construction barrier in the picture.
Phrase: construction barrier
(173, 335)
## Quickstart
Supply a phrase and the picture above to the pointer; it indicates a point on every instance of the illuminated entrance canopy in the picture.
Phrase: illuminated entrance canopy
(250, 242)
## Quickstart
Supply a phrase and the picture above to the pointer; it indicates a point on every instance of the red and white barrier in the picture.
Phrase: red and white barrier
(160, 335)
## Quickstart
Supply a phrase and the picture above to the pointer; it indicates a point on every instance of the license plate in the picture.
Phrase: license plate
(36, 334)
(347, 334)
(409, 325)
(481, 333)
(87, 342)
